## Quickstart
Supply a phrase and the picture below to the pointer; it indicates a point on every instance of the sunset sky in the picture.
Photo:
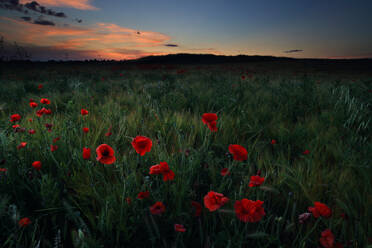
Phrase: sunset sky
(129, 29)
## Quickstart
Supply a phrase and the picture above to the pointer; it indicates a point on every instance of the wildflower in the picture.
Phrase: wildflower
(85, 129)
(3, 170)
(214, 200)
(210, 119)
(179, 228)
(33, 104)
(86, 153)
(198, 208)
(56, 139)
(273, 142)
(40, 86)
(24, 222)
(22, 145)
(31, 131)
(53, 148)
(129, 200)
(36, 165)
(320, 209)
(225, 172)
(84, 112)
(142, 144)
(327, 239)
(105, 154)
(143, 195)
(15, 126)
(256, 181)
(157, 209)
(249, 211)
(162, 168)
(45, 101)
(305, 152)
(15, 118)
(302, 218)
(239, 153)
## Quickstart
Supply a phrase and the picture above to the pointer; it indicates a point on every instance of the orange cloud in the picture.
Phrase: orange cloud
(77, 4)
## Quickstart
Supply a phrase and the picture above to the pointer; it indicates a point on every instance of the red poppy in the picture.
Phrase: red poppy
(142, 144)
(45, 101)
(33, 104)
(249, 211)
(273, 142)
(214, 200)
(162, 168)
(105, 154)
(40, 86)
(225, 172)
(85, 129)
(210, 119)
(24, 222)
(143, 195)
(86, 153)
(305, 152)
(15, 126)
(108, 134)
(84, 112)
(15, 118)
(49, 127)
(31, 131)
(179, 228)
(22, 145)
(239, 153)
(327, 239)
(36, 165)
(53, 148)
(320, 209)
(256, 181)
(56, 139)
(3, 170)
(243, 77)
(30, 120)
(43, 111)
(129, 200)
(157, 209)
(198, 208)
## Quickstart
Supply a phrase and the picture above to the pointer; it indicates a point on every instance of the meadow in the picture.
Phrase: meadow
(300, 177)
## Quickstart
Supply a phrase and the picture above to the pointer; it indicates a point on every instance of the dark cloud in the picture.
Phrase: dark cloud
(41, 21)
(34, 6)
(171, 45)
(294, 51)
(26, 18)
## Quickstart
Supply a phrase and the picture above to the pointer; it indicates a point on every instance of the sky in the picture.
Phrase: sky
(129, 29)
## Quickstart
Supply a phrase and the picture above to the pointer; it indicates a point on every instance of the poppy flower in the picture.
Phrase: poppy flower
(249, 211)
(243, 77)
(15, 126)
(198, 208)
(273, 142)
(53, 148)
(31, 131)
(142, 144)
(49, 126)
(129, 200)
(85, 129)
(320, 209)
(86, 153)
(179, 228)
(214, 200)
(84, 112)
(105, 154)
(36, 165)
(305, 152)
(40, 86)
(327, 239)
(43, 111)
(45, 101)
(157, 209)
(3, 170)
(210, 119)
(225, 172)
(143, 195)
(33, 104)
(15, 118)
(30, 120)
(239, 153)
(256, 181)
(24, 222)
(162, 168)
(22, 145)
(56, 139)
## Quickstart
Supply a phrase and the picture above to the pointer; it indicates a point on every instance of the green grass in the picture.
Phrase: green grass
(82, 203)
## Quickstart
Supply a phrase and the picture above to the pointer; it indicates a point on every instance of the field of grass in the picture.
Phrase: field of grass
(307, 134)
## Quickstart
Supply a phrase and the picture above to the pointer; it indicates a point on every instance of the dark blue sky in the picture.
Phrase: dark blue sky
(264, 27)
